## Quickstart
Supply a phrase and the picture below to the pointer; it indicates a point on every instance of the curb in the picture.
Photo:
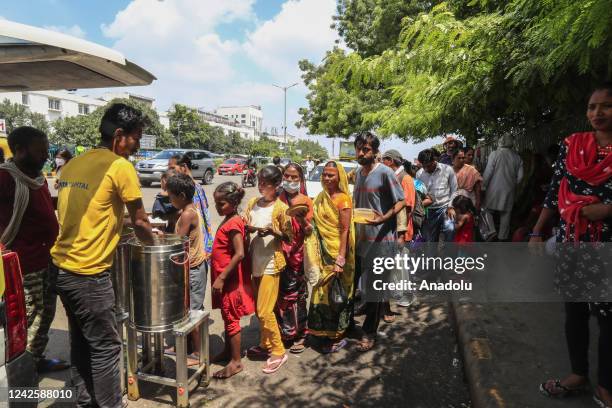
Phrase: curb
(478, 360)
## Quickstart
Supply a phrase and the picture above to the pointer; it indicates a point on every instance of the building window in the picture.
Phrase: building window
(243, 116)
(243, 121)
(83, 109)
(54, 104)
(25, 99)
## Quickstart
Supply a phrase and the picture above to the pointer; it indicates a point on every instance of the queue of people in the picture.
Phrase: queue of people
(266, 255)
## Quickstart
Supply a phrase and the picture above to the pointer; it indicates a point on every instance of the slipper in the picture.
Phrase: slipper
(389, 319)
(334, 347)
(366, 344)
(257, 351)
(195, 360)
(600, 403)
(47, 365)
(561, 391)
(170, 351)
(278, 364)
(297, 348)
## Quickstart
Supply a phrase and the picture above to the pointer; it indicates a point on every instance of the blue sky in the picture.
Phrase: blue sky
(205, 53)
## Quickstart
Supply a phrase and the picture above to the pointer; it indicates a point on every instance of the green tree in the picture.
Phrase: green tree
(83, 129)
(16, 114)
(310, 148)
(479, 68)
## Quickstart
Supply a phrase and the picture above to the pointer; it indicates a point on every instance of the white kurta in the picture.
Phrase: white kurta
(504, 171)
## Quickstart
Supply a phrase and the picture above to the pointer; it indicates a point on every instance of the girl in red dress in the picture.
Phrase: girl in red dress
(464, 221)
(231, 277)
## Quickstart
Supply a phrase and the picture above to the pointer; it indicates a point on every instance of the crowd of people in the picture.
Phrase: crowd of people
(267, 254)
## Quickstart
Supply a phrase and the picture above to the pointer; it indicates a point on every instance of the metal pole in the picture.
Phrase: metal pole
(285, 123)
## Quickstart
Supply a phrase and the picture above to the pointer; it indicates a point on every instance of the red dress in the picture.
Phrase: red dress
(465, 234)
(236, 299)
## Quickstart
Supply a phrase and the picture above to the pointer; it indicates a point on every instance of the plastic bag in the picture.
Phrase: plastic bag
(337, 295)
(312, 260)
(486, 226)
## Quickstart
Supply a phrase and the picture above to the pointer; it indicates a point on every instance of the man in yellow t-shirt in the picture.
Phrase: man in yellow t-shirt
(93, 190)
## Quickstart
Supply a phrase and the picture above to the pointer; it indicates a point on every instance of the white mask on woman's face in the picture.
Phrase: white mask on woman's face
(291, 186)
(59, 162)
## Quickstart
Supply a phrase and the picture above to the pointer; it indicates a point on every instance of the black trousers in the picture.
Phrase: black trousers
(577, 316)
(94, 339)
(373, 309)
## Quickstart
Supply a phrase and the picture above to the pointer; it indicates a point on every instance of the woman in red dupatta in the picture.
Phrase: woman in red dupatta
(581, 191)
(291, 306)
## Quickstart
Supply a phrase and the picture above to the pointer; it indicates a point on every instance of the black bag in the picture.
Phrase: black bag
(337, 295)
(418, 213)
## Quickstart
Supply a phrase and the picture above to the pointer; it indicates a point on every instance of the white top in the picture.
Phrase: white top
(262, 248)
(441, 185)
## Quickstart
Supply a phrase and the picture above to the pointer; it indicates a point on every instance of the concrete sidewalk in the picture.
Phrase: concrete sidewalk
(510, 348)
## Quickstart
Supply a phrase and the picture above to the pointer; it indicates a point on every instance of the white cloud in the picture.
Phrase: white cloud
(178, 41)
(74, 31)
(301, 30)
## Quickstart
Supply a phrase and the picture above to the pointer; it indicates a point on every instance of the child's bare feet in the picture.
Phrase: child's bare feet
(234, 367)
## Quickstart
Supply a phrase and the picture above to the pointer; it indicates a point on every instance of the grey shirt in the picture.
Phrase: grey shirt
(378, 191)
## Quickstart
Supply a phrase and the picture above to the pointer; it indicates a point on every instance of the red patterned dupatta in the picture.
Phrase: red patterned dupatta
(581, 162)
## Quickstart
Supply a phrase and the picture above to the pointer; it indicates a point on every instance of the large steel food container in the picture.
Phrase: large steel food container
(120, 272)
(159, 283)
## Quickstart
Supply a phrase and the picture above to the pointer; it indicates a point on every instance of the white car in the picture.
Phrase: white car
(313, 183)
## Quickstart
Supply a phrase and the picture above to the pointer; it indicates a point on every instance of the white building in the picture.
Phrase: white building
(251, 115)
(229, 125)
(54, 104)
(145, 100)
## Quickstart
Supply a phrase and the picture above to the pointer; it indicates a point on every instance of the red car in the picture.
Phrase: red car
(232, 166)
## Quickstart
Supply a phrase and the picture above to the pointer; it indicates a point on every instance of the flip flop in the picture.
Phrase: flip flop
(562, 391)
(366, 344)
(297, 348)
(389, 319)
(279, 364)
(334, 347)
(48, 365)
(600, 403)
(195, 362)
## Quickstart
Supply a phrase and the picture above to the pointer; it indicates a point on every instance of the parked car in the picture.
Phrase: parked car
(232, 166)
(150, 171)
(313, 183)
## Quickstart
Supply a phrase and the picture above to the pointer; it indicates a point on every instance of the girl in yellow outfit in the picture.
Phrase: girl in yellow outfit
(266, 217)
(332, 247)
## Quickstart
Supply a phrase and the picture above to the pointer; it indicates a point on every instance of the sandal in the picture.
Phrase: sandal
(560, 391)
(600, 403)
(272, 366)
(366, 344)
(389, 318)
(334, 347)
(257, 352)
(298, 347)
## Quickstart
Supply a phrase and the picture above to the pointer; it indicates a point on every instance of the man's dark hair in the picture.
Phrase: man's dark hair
(426, 156)
(180, 184)
(23, 136)
(120, 115)
(367, 138)
(276, 160)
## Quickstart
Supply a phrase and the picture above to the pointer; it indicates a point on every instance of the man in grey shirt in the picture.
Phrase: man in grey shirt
(376, 188)
(441, 184)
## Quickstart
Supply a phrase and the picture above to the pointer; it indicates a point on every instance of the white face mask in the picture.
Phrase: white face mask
(291, 186)
(59, 162)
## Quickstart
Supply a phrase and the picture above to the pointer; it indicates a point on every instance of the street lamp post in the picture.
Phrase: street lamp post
(284, 88)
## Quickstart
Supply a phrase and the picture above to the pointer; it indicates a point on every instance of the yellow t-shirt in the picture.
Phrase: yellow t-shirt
(93, 188)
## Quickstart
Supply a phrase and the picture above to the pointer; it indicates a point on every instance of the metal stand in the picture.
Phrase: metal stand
(152, 356)
(121, 319)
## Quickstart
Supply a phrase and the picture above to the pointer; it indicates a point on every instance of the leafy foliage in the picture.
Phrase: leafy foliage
(16, 115)
(479, 68)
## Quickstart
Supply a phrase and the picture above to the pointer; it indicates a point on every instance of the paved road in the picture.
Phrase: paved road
(416, 364)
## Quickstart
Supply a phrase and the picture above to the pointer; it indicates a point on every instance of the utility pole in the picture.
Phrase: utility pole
(284, 88)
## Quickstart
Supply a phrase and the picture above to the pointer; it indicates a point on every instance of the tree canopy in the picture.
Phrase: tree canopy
(479, 68)
(16, 114)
